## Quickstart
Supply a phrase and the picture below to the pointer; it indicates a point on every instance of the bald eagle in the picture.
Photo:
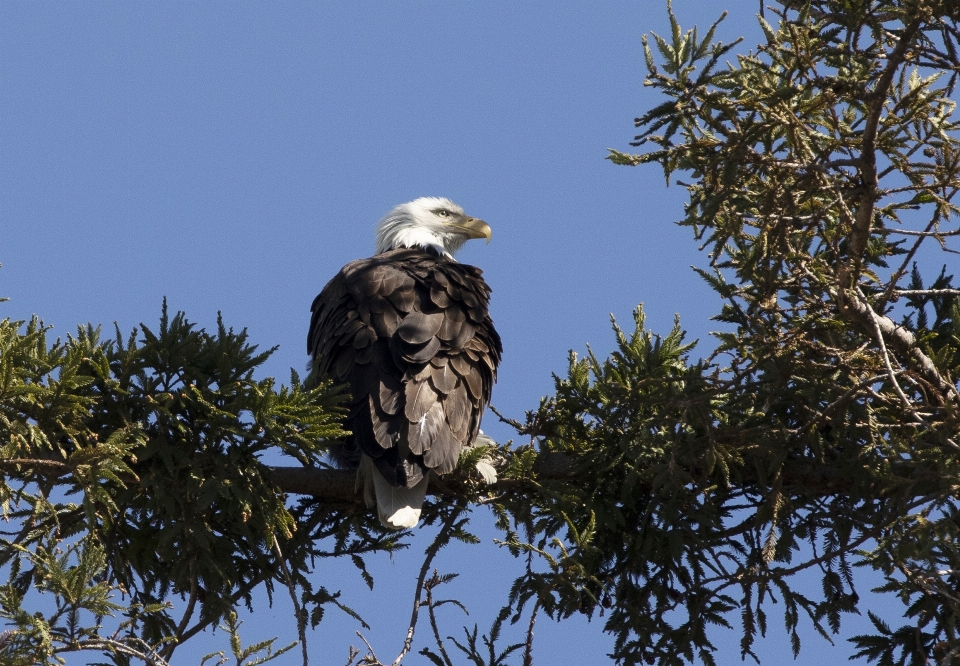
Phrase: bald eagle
(409, 332)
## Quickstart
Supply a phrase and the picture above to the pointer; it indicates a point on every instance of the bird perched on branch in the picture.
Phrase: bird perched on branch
(409, 332)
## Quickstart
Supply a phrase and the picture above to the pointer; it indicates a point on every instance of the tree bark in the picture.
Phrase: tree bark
(799, 478)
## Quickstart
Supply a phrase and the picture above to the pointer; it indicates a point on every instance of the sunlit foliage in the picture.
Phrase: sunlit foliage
(669, 496)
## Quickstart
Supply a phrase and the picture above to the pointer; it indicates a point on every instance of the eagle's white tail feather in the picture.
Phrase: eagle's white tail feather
(399, 508)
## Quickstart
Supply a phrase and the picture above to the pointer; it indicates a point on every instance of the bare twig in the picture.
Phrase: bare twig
(371, 659)
(900, 272)
(928, 583)
(812, 166)
(891, 374)
(886, 358)
(927, 292)
(820, 415)
(431, 552)
(52, 465)
(168, 649)
(748, 573)
(902, 340)
(528, 649)
(352, 654)
(513, 423)
(433, 617)
(233, 599)
(931, 234)
(301, 619)
(147, 655)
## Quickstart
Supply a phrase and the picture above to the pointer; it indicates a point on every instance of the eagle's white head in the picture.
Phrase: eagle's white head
(432, 223)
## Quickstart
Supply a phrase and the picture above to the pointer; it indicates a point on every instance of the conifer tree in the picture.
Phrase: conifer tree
(670, 495)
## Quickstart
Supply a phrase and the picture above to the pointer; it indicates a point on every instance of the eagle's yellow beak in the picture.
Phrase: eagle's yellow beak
(473, 227)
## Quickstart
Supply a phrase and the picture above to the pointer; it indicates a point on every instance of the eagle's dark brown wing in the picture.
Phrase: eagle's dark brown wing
(410, 333)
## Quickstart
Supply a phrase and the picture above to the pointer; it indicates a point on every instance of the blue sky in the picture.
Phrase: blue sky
(233, 156)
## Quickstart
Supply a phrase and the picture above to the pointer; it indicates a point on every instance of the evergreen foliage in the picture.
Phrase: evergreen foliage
(672, 496)
(131, 466)
(822, 432)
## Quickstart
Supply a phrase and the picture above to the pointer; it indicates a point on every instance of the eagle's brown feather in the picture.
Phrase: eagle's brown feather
(410, 333)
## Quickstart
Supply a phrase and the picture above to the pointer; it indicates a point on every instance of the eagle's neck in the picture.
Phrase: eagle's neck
(395, 232)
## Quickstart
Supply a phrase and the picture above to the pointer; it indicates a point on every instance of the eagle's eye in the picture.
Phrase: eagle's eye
(442, 212)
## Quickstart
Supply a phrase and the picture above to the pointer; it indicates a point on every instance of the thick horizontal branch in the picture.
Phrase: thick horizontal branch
(342, 485)
(799, 478)
(333, 484)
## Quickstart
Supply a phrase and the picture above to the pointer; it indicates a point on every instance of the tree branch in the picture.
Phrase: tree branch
(301, 616)
(432, 551)
(927, 292)
(528, 647)
(433, 617)
(807, 478)
(902, 340)
(167, 651)
(863, 222)
(37, 463)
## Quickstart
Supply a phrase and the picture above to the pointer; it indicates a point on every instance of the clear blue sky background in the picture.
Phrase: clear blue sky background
(231, 156)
